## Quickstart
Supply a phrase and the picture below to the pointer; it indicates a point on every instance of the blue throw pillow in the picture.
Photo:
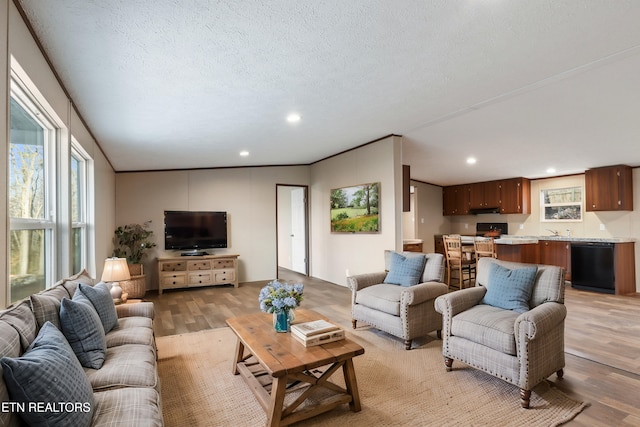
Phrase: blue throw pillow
(510, 289)
(49, 373)
(101, 300)
(83, 329)
(405, 271)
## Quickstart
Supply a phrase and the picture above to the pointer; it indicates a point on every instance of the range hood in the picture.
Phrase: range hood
(484, 211)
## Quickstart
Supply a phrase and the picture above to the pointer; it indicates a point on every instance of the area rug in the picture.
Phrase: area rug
(397, 388)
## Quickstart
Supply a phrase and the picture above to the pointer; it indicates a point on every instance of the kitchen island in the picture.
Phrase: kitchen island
(556, 250)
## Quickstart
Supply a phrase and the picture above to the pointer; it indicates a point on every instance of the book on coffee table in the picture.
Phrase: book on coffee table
(315, 327)
(318, 339)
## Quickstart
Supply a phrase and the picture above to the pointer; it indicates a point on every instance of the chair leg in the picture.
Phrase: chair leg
(448, 363)
(525, 397)
(439, 334)
(407, 344)
(560, 373)
(353, 323)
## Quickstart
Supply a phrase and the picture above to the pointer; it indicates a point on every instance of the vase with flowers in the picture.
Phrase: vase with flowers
(281, 299)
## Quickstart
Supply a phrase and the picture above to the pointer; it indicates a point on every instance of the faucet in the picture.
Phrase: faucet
(554, 232)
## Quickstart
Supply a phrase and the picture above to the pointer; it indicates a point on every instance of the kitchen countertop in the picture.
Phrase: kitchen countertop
(524, 240)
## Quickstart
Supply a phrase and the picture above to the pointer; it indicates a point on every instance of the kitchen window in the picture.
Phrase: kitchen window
(561, 204)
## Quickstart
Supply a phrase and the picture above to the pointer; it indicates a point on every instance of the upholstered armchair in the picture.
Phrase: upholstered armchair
(506, 327)
(404, 310)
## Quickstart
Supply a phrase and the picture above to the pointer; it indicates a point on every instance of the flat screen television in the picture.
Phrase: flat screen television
(194, 231)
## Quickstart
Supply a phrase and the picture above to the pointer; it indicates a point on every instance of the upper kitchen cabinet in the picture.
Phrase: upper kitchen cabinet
(484, 195)
(455, 200)
(609, 188)
(515, 196)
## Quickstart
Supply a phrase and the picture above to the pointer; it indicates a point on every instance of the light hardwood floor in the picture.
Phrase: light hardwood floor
(602, 337)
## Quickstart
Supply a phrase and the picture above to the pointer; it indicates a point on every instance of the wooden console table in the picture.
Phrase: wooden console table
(274, 364)
(191, 271)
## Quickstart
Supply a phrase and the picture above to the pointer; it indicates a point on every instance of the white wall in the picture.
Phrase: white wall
(248, 195)
(333, 253)
(16, 41)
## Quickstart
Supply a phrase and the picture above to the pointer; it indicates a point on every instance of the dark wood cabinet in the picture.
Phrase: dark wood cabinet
(484, 195)
(515, 196)
(556, 252)
(438, 244)
(510, 196)
(455, 200)
(609, 189)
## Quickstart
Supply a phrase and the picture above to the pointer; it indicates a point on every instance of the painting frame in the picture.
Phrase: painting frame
(355, 209)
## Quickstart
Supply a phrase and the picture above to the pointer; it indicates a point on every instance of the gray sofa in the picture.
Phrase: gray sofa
(124, 391)
(404, 311)
(520, 346)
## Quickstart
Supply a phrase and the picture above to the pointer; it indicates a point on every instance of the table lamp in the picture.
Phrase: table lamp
(115, 270)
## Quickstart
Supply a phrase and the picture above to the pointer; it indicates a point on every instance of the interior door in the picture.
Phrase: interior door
(292, 228)
(298, 230)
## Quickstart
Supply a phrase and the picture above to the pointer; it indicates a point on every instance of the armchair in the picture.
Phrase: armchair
(521, 348)
(404, 311)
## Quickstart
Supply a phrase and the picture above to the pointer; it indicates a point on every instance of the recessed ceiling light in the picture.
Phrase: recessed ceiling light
(244, 153)
(471, 160)
(293, 118)
(551, 170)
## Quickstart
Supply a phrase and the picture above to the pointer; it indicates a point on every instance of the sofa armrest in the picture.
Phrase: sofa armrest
(459, 301)
(414, 295)
(140, 309)
(539, 321)
(359, 282)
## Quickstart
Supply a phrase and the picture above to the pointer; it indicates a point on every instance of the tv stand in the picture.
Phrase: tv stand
(194, 253)
(204, 270)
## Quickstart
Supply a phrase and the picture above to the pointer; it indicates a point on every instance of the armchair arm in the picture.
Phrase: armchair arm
(414, 295)
(360, 281)
(459, 301)
(540, 320)
(140, 309)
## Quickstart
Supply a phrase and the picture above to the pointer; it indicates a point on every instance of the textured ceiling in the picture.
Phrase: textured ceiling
(522, 86)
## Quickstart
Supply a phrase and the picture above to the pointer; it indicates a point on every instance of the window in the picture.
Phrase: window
(561, 204)
(31, 195)
(79, 206)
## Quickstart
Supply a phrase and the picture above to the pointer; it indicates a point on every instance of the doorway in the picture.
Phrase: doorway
(292, 228)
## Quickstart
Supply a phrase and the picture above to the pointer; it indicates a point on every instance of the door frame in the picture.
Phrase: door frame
(306, 226)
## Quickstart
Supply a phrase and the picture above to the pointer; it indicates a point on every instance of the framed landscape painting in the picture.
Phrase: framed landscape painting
(356, 209)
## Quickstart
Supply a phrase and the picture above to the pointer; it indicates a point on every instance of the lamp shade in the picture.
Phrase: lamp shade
(115, 270)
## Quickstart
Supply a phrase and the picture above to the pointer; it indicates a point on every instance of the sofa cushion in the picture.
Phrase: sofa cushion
(83, 329)
(129, 365)
(49, 372)
(510, 289)
(487, 325)
(383, 297)
(405, 270)
(71, 283)
(46, 308)
(130, 406)
(22, 319)
(130, 335)
(102, 301)
(9, 347)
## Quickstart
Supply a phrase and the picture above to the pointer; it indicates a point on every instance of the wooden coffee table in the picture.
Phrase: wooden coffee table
(274, 364)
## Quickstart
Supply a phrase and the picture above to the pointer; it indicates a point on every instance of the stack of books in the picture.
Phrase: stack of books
(316, 332)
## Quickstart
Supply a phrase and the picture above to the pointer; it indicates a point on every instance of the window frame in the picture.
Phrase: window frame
(566, 204)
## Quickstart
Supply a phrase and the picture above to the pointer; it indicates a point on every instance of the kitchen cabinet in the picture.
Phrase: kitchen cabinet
(556, 252)
(455, 200)
(609, 189)
(484, 195)
(515, 196)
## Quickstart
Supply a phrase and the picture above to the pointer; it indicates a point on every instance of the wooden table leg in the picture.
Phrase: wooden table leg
(352, 385)
(239, 356)
(278, 391)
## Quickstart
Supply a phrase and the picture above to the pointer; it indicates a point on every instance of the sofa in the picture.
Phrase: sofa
(397, 304)
(52, 374)
(510, 325)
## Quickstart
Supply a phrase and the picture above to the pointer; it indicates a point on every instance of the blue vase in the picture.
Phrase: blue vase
(281, 321)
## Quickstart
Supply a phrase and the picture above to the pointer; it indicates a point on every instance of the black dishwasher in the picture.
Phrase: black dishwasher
(592, 267)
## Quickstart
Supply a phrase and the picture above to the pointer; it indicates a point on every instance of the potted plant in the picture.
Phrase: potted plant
(132, 241)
